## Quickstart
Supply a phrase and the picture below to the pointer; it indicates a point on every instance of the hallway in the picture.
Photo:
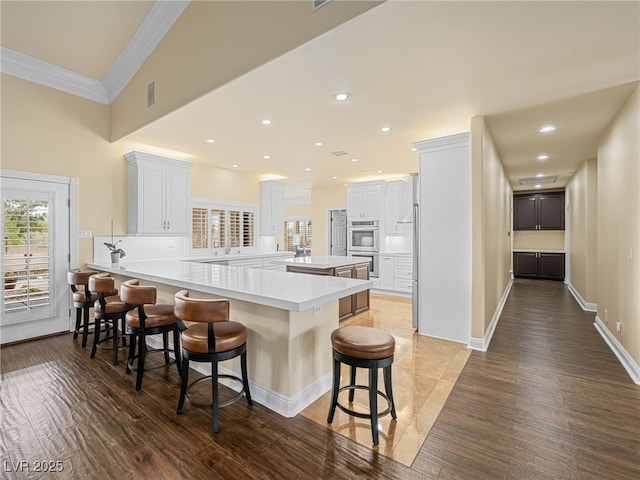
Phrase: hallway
(547, 400)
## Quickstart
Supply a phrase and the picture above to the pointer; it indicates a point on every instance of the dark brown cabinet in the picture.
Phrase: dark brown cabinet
(352, 304)
(538, 211)
(542, 265)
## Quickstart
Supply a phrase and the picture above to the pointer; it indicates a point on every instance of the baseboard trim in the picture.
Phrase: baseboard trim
(619, 351)
(586, 306)
(482, 344)
(286, 406)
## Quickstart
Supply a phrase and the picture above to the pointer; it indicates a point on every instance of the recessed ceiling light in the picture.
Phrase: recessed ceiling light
(543, 157)
(354, 160)
(267, 157)
(540, 175)
(342, 96)
(538, 186)
(234, 166)
(334, 177)
(210, 140)
(266, 121)
(318, 144)
(378, 171)
(547, 129)
(308, 169)
(414, 149)
(385, 129)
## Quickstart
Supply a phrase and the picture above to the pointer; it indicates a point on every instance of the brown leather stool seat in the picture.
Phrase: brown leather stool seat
(108, 309)
(363, 347)
(212, 338)
(147, 318)
(83, 300)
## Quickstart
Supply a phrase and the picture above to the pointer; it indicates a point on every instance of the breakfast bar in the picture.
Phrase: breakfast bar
(289, 316)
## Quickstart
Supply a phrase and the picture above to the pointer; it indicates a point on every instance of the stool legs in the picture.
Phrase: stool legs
(372, 391)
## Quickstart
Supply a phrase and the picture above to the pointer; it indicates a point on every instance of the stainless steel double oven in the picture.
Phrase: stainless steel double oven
(363, 236)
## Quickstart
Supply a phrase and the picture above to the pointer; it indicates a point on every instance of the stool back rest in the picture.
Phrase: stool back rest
(135, 294)
(103, 284)
(79, 279)
(202, 310)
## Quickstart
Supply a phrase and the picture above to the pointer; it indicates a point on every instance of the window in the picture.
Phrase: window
(217, 226)
(297, 231)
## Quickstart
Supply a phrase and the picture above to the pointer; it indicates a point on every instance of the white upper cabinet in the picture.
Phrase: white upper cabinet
(272, 207)
(364, 201)
(398, 206)
(159, 195)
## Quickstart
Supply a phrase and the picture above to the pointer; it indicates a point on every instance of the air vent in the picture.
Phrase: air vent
(339, 153)
(319, 3)
(537, 180)
(151, 94)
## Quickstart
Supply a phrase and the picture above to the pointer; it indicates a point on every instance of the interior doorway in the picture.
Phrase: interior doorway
(338, 231)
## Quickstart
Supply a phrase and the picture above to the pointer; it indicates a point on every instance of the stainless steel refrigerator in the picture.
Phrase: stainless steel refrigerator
(415, 279)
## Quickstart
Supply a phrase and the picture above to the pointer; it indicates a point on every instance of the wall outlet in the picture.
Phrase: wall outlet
(85, 234)
(317, 310)
(618, 327)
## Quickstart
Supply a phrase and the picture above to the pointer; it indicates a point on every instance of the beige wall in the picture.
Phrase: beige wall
(539, 240)
(214, 42)
(619, 226)
(50, 132)
(491, 198)
(321, 200)
(581, 198)
(297, 211)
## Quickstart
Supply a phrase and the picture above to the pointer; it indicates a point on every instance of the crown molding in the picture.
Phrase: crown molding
(150, 33)
(28, 68)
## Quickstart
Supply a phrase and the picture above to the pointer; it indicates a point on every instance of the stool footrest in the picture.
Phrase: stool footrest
(220, 404)
(360, 414)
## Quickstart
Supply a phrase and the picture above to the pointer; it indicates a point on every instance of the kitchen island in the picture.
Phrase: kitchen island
(289, 317)
(336, 266)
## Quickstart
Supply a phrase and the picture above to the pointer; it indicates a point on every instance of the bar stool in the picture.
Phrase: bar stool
(83, 300)
(147, 318)
(110, 310)
(363, 347)
(212, 339)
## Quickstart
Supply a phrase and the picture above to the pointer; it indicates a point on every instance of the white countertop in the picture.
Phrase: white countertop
(322, 261)
(221, 257)
(288, 291)
(537, 250)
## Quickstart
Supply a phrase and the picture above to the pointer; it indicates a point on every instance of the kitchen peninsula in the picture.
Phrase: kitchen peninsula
(289, 316)
(335, 266)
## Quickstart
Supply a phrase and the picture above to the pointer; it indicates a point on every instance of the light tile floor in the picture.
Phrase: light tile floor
(424, 373)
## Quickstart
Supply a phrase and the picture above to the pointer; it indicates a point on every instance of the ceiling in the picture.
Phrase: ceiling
(422, 68)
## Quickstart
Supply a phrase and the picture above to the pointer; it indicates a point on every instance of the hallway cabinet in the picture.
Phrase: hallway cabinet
(543, 265)
(538, 211)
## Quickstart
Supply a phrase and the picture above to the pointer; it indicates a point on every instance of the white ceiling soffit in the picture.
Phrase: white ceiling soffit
(152, 30)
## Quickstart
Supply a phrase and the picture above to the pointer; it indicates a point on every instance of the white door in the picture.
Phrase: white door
(35, 258)
(338, 244)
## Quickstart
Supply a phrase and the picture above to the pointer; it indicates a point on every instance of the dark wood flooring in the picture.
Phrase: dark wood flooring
(548, 400)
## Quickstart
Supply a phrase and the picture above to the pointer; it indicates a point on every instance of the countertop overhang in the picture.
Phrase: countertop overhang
(322, 261)
(289, 291)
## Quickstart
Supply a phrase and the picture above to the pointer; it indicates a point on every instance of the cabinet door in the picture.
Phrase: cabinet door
(551, 266)
(525, 264)
(525, 214)
(277, 211)
(386, 272)
(355, 205)
(345, 304)
(151, 201)
(372, 204)
(361, 299)
(551, 211)
(178, 188)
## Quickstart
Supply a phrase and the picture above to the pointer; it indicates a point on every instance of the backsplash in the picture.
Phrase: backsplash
(141, 248)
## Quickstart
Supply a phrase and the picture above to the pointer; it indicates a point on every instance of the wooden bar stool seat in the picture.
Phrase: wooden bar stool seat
(147, 318)
(109, 310)
(363, 347)
(211, 338)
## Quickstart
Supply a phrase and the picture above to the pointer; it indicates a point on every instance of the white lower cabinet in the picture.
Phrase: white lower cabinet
(396, 272)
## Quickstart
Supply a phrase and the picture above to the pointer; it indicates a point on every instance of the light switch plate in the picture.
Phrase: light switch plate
(84, 234)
